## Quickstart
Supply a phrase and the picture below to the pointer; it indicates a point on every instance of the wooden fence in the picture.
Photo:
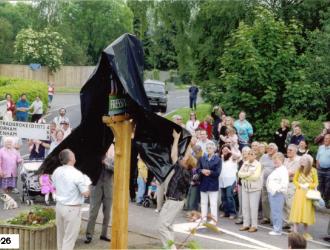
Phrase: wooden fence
(67, 76)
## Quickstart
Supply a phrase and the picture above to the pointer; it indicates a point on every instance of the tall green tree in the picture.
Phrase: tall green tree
(95, 24)
(212, 23)
(263, 74)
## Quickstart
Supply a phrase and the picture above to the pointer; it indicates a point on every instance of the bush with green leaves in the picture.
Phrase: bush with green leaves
(44, 47)
(31, 88)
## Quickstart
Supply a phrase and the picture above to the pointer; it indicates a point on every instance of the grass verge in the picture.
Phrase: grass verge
(67, 89)
(203, 110)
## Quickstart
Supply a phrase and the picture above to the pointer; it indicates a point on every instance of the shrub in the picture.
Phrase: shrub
(37, 216)
(31, 88)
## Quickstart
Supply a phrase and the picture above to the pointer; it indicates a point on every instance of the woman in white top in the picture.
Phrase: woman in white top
(227, 181)
(59, 138)
(251, 179)
(277, 186)
(192, 124)
(37, 109)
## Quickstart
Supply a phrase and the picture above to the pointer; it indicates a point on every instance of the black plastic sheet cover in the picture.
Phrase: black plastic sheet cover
(121, 61)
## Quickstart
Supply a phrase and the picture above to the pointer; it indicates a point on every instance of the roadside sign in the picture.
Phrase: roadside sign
(27, 130)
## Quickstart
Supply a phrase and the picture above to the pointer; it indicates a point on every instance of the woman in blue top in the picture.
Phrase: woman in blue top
(208, 169)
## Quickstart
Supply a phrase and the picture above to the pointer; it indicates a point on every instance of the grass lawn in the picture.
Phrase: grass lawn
(67, 89)
(203, 110)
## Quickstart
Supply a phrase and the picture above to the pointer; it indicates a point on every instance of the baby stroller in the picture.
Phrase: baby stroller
(30, 181)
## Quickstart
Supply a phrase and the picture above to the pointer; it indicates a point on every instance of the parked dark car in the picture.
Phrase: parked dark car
(157, 95)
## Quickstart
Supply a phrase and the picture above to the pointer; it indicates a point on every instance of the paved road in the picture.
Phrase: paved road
(143, 220)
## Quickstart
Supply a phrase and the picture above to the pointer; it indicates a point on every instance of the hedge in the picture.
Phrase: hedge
(31, 88)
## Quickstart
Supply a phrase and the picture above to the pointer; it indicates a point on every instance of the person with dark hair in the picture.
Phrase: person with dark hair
(323, 169)
(176, 192)
(216, 116)
(61, 117)
(302, 148)
(227, 180)
(296, 241)
(193, 92)
(101, 193)
(72, 187)
(22, 108)
(11, 108)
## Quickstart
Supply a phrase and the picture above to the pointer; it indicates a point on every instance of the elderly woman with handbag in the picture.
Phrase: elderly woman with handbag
(305, 181)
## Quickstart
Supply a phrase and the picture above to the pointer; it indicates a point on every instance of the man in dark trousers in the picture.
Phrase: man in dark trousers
(193, 92)
(101, 193)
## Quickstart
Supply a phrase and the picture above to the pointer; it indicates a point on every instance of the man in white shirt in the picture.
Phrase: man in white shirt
(203, 140)
(61, 118)
(71, 189)
(292, 164)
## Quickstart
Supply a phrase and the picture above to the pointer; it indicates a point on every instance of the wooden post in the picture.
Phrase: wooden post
(122, 129)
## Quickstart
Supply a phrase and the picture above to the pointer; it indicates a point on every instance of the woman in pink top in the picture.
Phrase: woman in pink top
(9, 160)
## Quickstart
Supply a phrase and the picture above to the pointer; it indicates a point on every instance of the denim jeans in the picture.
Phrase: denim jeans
(193, 198)
(141, 189)
(276, 202)
(228, 201)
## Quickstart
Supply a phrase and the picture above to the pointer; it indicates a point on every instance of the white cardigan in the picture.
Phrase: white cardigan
(278, 181)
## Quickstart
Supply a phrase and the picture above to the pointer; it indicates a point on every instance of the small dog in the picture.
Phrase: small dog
(9, 202)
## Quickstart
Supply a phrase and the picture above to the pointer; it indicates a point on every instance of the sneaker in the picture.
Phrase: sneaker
(232, 217)
(326, 238)
(157, 211)
(223, 215)
(307, 236)
(139, 203)
(273, 233)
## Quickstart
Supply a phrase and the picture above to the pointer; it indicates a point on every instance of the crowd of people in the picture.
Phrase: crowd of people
(224, 170)
(251, 182)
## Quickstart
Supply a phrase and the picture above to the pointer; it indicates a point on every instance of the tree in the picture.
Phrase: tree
(95, 24)
(44, 47)
(211, 25)
(6, 41)
(263, 74)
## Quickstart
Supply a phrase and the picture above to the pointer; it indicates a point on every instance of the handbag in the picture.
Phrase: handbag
(313, 195)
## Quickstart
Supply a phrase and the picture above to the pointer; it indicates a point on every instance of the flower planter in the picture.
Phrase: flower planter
(33, 237)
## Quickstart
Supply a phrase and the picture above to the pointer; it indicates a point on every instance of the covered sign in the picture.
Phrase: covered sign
(120, 73)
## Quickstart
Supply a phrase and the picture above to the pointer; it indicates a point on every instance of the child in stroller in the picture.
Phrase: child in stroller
(150, 199)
